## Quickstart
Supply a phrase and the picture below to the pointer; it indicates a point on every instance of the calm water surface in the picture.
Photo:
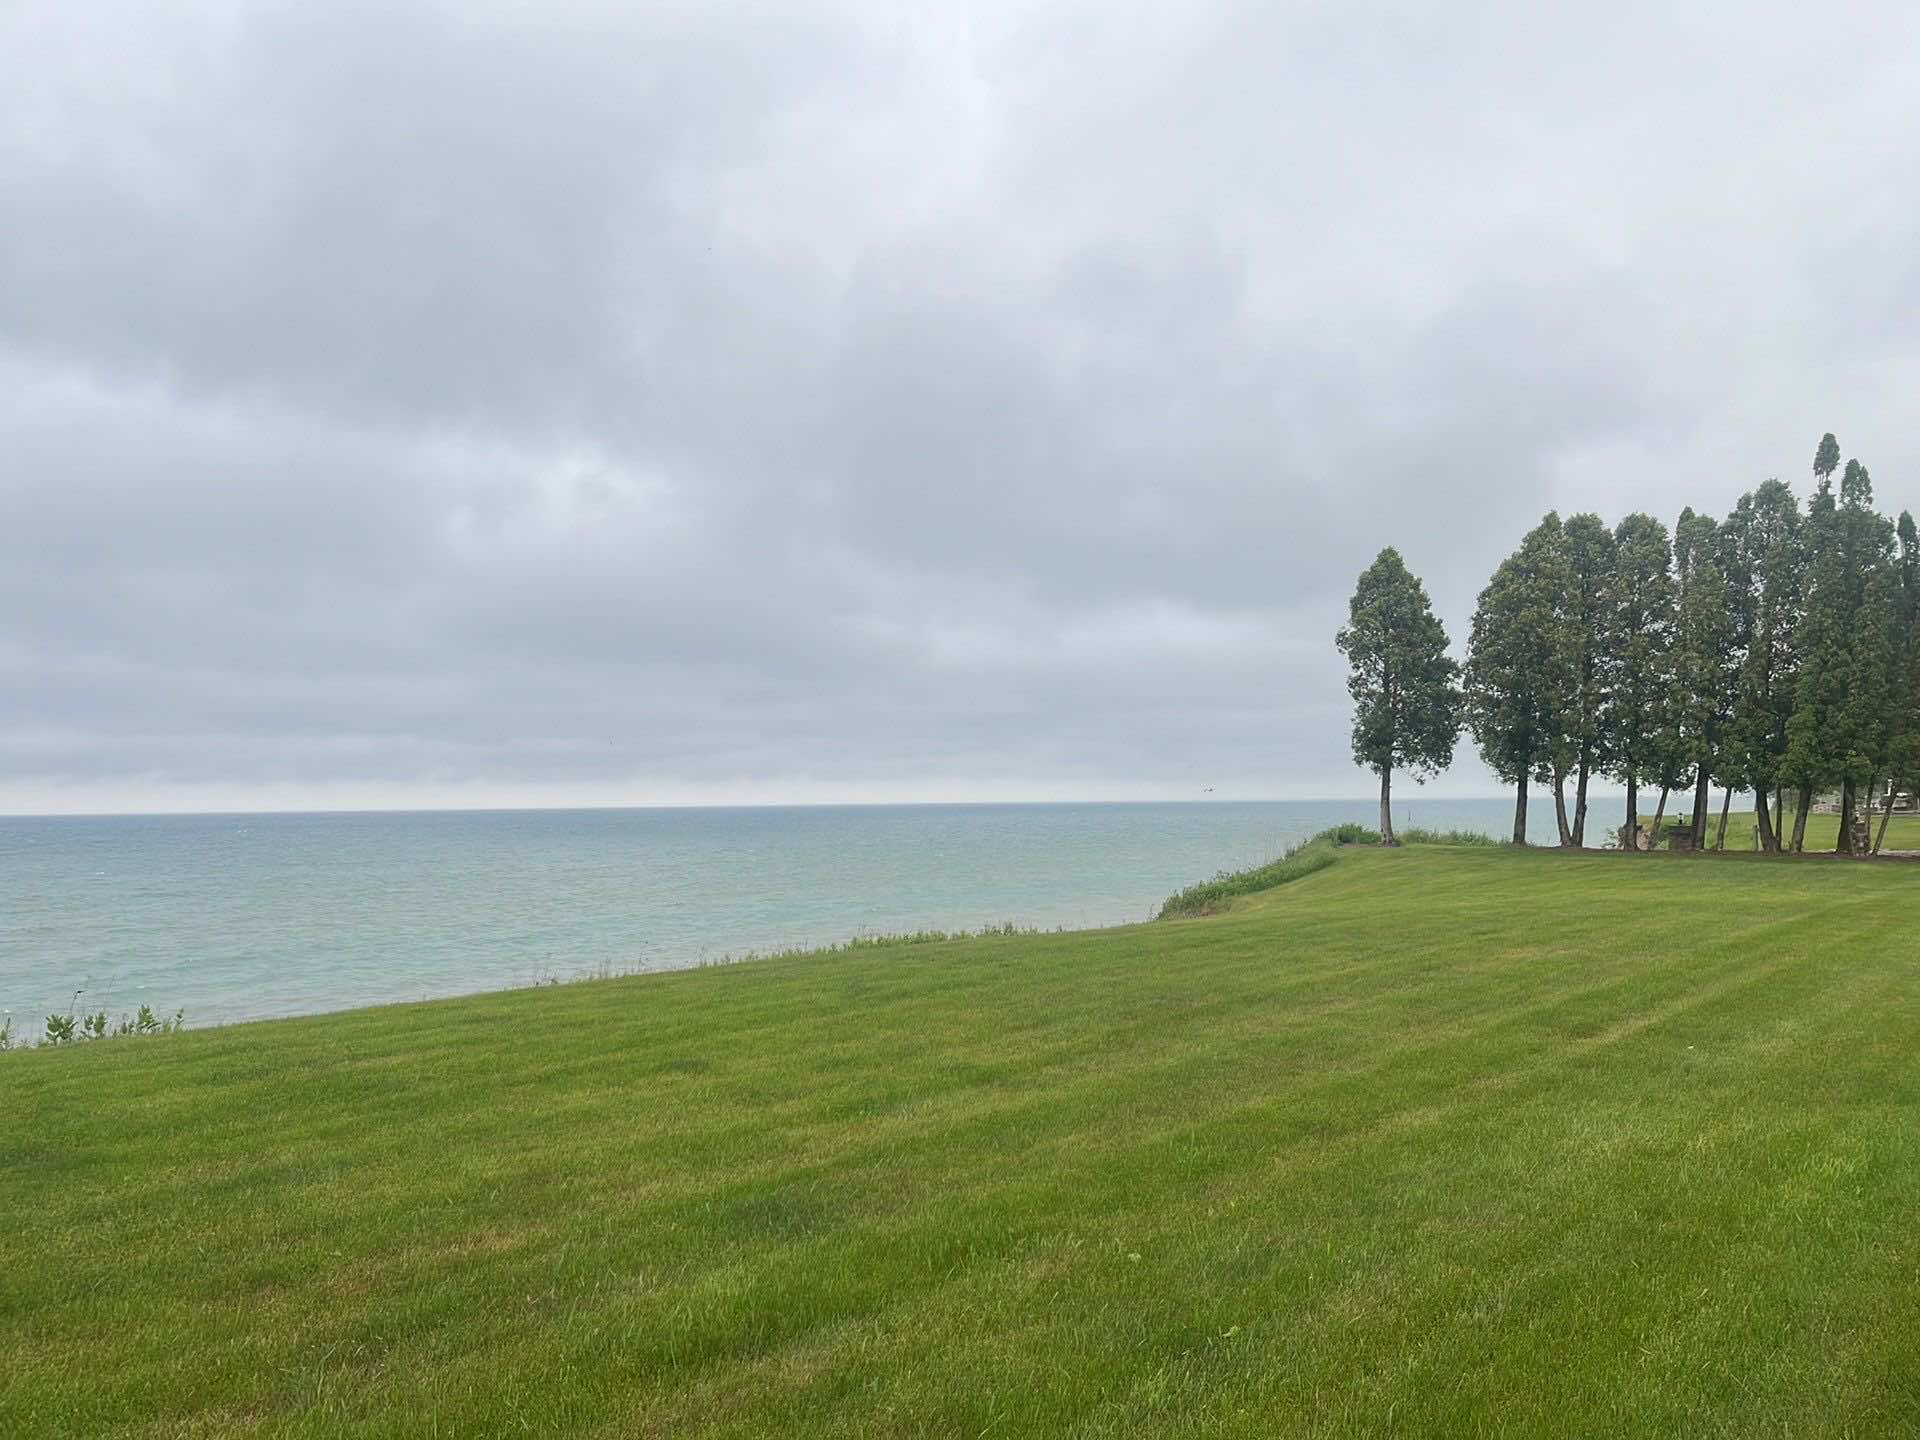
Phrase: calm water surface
(243, 916)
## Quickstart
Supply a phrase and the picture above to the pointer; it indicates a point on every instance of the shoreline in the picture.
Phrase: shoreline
(29, 1031)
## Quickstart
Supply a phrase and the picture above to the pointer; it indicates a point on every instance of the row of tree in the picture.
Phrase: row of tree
(1776, 651)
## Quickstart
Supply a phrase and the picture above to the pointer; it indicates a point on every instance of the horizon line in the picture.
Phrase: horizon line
(268, 812)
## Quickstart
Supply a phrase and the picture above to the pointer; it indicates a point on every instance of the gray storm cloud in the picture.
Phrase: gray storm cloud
(485, 404)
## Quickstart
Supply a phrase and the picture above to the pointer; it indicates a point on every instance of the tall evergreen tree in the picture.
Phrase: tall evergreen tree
(1826, 458)
(1804, 760)
(1638, 660)
(1839, 734)
(1706, 661)
(1406, 698)
(1583, 620)
(1903, 724)
(1518, 673)
(1765, 532)
(1862, 729)
(1820, 679)
(1867, 717)
(1735, 564)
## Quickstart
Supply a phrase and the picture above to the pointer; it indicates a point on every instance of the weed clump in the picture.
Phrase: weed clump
(74, 1027)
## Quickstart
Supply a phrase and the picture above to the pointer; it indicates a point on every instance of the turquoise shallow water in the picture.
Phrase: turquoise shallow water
(243, 916)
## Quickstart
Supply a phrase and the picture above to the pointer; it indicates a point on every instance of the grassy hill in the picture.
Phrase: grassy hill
(1425, 1142)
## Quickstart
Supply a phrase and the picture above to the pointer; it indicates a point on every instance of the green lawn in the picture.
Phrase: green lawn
(1903, 831)
(1428, 1142)
(1605, 818)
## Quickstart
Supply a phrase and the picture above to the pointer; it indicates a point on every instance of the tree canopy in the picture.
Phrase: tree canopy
(1406, 703)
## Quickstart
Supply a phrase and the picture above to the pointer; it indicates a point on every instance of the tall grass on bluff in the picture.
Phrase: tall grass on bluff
(1420, 836)
(1298, 860)
(1316, 852)
(546, 977)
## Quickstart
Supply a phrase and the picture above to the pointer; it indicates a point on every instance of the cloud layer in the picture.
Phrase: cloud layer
(426, 403)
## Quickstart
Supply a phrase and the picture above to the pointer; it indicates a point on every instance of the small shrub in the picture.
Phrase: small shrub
(1348, 833)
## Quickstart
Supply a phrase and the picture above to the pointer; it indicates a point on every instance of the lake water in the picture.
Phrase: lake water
(242, 916)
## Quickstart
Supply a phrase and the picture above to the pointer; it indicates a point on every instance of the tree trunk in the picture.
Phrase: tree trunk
(1872, 785)
(1560, 808)
(1580, 801)
(1800, 819)
(1780, 819)
(1726, 804)
(1632, 827)
(1886, 814)
(1844, 845)
(1702, 798)
(1520, 812)
(1763, 818)
(1386, 805)
(1659, 814)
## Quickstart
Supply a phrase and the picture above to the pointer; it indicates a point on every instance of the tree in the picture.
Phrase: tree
(1764, 531)
(1821, 677)
(1583, 621)
(1903, 725)
(1862, 729)
(1637, 659)
(1406, 698)
(1839, 733)
(1826, 458)
(1706, 660)
(1807, 745)
(1803, 760)
(1866, 717)
(1735, 564)
(1518, 674)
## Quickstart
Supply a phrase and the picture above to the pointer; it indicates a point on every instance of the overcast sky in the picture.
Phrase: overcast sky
(568, 403)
